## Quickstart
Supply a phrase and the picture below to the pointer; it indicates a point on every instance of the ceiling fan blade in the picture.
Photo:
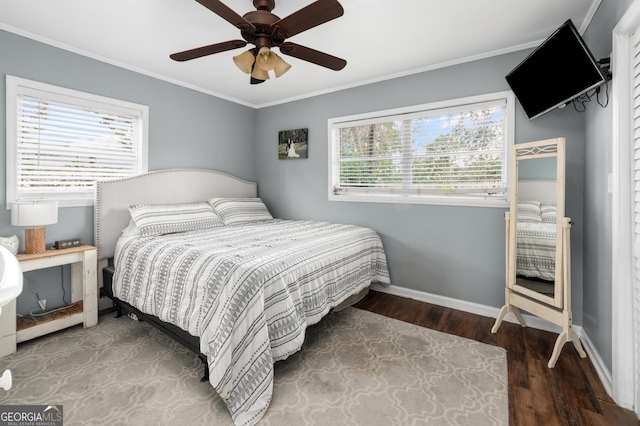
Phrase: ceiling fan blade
(228, 14)
(308, 17)
(199, 52)
(313, 56)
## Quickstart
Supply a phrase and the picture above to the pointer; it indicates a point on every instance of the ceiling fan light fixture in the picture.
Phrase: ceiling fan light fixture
(259, 74)
(245, 61)
(281, 66)
(265, 30)
(266, 59)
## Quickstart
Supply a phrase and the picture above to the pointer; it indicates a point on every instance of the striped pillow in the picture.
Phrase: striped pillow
(548, 213)
(158, 219)
(529, 211)
(240, 210)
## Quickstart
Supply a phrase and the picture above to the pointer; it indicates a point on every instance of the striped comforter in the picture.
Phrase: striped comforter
(536, 250)
(248, 291)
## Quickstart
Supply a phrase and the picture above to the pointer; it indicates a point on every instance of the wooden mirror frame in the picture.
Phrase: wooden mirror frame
(551, 148)
(556, 309)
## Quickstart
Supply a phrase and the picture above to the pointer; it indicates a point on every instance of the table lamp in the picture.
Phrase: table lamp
(34, 215)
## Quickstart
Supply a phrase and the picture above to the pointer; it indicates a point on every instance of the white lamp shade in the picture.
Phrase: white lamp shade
(34, 213)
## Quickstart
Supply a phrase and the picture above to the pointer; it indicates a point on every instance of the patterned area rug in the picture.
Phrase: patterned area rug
(356, 368)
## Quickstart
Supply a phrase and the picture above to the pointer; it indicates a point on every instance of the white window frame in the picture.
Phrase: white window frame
(389, 197)
(16, 87)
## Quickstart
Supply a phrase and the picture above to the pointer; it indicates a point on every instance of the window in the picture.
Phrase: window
(60, 141)
(452, 152)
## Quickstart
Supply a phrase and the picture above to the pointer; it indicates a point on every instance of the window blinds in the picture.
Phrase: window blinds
(458, 150)
(64, 144)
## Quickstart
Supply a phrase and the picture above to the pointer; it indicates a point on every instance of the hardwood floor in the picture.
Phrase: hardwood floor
(569, 394)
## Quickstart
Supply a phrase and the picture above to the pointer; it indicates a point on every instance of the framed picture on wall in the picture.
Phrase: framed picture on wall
(293, 144)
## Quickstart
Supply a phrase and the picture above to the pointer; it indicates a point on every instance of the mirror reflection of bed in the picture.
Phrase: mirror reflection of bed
(536, 235)
(536, 284)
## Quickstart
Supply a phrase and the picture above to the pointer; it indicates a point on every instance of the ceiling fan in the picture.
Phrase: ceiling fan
(266, 31)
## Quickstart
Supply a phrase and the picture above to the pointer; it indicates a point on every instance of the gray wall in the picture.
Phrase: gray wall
(186, 129)
(456, 252)
(597, 317)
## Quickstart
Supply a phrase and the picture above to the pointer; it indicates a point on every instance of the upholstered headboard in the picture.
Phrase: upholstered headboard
(113, 197)
(540, 190)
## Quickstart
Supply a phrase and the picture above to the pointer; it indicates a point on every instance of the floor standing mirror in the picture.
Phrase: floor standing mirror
(538, 269)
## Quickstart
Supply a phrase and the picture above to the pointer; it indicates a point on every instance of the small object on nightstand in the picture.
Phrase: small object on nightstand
(11, 243)
(64, 244)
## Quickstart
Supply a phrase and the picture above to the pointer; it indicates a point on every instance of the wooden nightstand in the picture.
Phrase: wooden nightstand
(84, 297)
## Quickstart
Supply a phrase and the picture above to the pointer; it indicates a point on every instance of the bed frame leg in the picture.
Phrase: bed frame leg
(118, 310)
(205, 378)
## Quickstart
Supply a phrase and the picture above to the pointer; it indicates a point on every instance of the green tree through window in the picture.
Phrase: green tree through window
(457, 151)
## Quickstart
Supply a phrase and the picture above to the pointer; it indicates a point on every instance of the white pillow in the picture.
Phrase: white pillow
(240, 210)
(158, 219)
(131, 230)
(529, 211)
(548, 213)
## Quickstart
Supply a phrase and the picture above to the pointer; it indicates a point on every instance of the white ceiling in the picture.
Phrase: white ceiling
(380, 39)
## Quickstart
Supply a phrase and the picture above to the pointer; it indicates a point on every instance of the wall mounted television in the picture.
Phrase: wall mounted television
(556, 72)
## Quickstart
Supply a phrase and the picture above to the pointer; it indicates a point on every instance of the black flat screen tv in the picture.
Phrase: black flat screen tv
(558, 71)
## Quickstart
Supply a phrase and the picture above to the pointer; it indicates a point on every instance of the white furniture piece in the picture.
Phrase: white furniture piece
(84, 297)
(10, 288)
(10, 277)
(538, 171)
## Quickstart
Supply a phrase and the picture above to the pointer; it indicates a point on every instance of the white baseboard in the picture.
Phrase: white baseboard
(489, 311)
(471, 307)
(603, 372)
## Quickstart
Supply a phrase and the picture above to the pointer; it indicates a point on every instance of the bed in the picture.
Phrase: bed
(536, 230)
(234, 285)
